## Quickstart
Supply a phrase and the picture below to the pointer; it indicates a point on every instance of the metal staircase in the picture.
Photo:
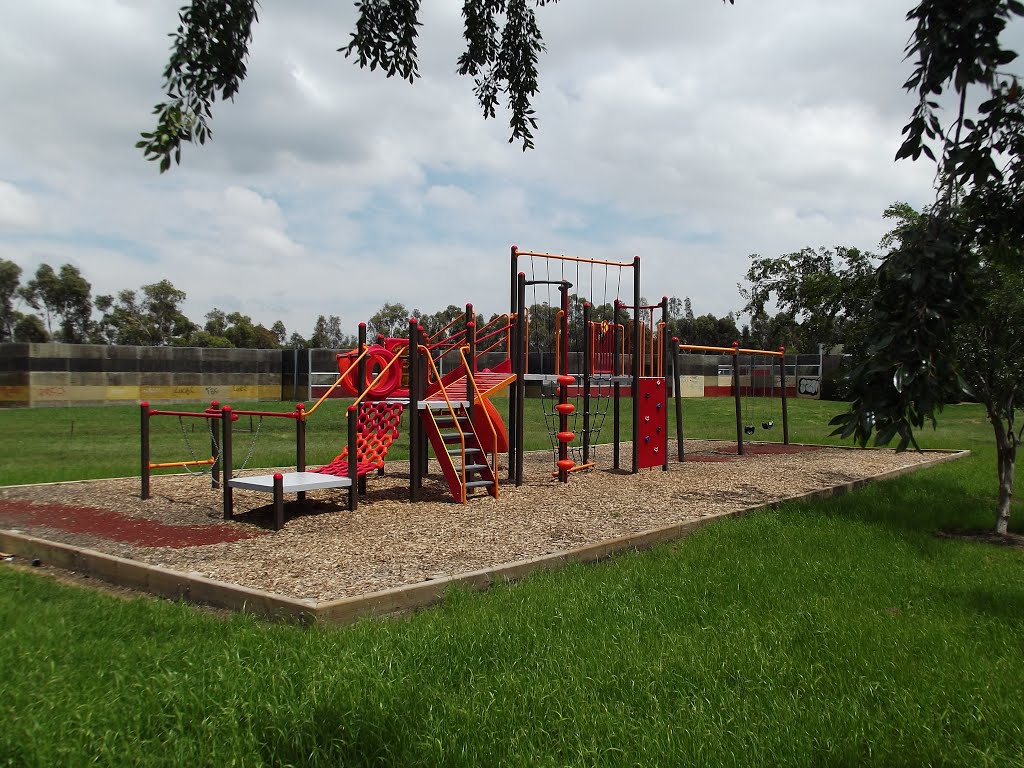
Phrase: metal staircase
(457, 448)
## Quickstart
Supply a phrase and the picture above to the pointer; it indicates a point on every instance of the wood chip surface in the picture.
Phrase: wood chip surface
(325, 552)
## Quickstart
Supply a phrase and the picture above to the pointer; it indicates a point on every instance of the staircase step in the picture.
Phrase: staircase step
(456, 452)
(448, 421)
(472, 467)
(479, 484)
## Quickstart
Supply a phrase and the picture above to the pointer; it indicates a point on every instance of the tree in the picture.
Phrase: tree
(280, 332)
(826, 291)
(10, 281)
(154, 320)
(391, 320)
(990, 353)
(985, 356)
(164, 318)
(29, 329)
(211, 46)
(327, 334)
(937, 276)
(66, 296)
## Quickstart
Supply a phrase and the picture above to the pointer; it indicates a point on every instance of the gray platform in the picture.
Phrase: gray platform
(291, 482)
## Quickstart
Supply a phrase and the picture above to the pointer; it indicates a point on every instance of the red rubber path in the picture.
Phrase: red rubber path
(114, 526)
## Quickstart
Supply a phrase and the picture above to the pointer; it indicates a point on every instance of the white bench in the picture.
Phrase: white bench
(281, 483)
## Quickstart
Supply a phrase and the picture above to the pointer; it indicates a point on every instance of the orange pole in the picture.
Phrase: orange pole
(700, 348)
(168, 464)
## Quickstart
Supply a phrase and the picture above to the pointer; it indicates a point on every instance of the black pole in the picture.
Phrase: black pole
(424, 450)
(678, 391)
(635, 363)
(616, 384)
(588, 351)
(470, 390)
(785, 406)
(523, 351)
(562, 369)
(226, 460)
(514, 282)
(663, 367)
(361, 387)
(737, 396)
(360, 384)
(413, 361)
(144, 433)
(300, 444)
(353, 460)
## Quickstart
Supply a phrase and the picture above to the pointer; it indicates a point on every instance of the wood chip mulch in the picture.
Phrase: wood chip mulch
(326, 552)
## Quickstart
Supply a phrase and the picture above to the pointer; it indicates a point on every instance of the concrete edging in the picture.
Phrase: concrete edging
(195, 588)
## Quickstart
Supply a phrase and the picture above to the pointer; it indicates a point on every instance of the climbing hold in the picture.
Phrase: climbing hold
(566, 437)
(565, 408)
(565, 464)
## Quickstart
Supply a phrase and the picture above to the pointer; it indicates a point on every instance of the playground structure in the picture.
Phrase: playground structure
(581, 369)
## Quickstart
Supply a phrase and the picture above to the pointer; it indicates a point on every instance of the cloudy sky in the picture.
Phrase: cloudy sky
(689, 132)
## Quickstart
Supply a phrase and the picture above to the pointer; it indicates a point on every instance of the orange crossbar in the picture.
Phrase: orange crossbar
(167, 464)
(699, 348)
(575, 258)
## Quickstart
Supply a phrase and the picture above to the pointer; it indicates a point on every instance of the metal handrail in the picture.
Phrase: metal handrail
(437, 333)
(490, 421)
(341, 378)
(455, 419)
(377, 378)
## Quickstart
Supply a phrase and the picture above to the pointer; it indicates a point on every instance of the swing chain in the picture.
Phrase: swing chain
(191, 450)
(252, 444)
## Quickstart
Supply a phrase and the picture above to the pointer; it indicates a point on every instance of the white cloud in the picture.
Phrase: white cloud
(693, 134)
(19, 211)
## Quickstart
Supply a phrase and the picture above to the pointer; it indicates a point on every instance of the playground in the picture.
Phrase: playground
(472, 499)
(326, 553)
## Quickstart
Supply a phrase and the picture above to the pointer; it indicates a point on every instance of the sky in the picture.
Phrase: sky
(689, 132)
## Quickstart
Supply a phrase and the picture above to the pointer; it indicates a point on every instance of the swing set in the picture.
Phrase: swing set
(760, 388)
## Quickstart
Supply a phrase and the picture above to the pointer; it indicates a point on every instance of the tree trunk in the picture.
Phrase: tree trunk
(1006, 452)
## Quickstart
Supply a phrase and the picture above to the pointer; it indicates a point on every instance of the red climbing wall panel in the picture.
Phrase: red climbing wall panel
(653, 438)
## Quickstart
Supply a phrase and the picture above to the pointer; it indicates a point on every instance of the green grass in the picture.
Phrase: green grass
(56, 444)
(829, 633)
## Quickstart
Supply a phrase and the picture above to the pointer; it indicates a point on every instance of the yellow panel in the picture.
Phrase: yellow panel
(16, 394)
(122, 393)
(692, 386)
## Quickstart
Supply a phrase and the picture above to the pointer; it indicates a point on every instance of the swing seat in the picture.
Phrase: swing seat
(749, 429)
(767, 424)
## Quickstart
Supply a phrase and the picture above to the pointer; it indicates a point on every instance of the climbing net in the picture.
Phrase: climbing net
(378, 428)
(574, 336)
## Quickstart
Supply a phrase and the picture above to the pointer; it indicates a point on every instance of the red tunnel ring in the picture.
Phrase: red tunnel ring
(376, 356)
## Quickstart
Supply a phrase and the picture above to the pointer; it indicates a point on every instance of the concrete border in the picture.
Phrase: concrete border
(192, 587)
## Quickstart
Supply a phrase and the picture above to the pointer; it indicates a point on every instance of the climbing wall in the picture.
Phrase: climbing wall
(653, 438)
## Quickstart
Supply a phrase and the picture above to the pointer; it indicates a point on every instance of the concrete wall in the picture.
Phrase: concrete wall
(92, 374)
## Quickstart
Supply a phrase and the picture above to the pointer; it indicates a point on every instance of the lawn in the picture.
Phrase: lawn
(828, 633)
